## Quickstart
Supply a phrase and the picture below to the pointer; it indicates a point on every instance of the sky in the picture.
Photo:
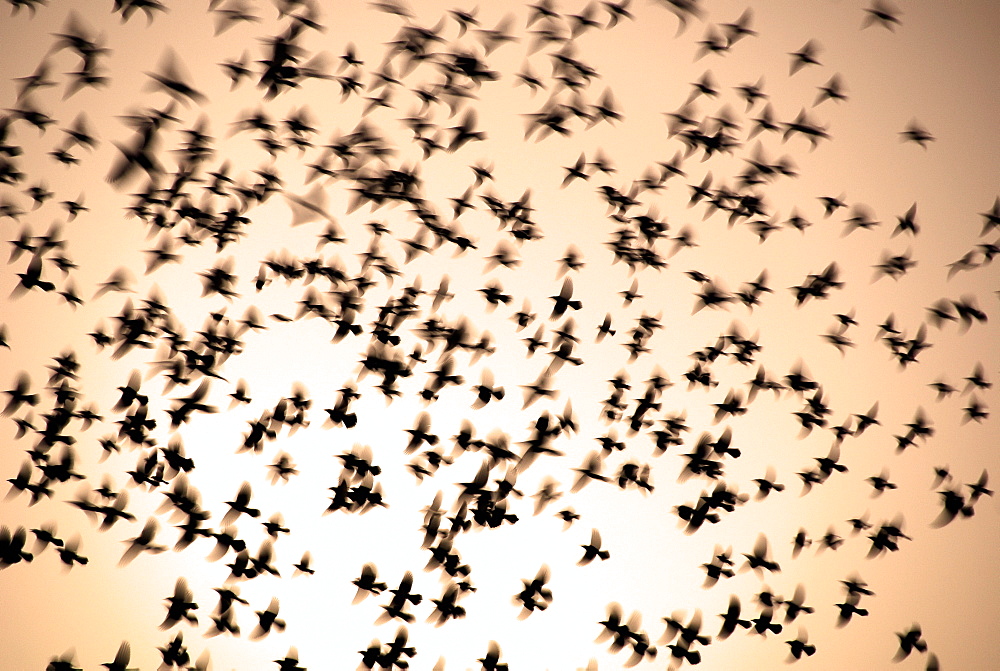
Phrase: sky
(376, 246)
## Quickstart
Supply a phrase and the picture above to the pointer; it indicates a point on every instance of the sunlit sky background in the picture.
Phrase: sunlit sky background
(937, 69)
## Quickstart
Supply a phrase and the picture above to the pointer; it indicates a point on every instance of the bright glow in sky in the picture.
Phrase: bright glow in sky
(296, 251)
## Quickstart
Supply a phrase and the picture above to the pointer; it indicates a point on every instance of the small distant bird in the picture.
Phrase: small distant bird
(832, 90)
(171, 80)
(593, 549)
(915, 132)
(121, 659)
(882, 13)
(804, 56)
(909, 640)
(801, 646)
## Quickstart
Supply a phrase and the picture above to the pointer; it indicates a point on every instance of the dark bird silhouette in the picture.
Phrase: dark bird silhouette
(978, 488)
(401, 596)
(141, 154)
(796, 605)
(564, 300)
(240, 505)
(832, 90)
(534, 595)
(142, 543)
(767, 484)
(882, 13)
(803, 125)
(268, 620)
(800, 646)
(20, 395)
(731, 619)
(806, 55)
(31, 278)
(171, 80)
(909, 640)
(592, 550)
(121, 660)
(916, 133)
(848, 609)
(758, 560)
(368, 583)
(491, 661)
(180, 606)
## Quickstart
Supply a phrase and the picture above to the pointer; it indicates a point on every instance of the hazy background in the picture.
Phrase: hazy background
(939, 67)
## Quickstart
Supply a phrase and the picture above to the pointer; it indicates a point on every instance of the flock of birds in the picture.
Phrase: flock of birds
(413, 105)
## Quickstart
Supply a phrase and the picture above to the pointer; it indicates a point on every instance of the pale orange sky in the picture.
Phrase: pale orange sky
(938, 68)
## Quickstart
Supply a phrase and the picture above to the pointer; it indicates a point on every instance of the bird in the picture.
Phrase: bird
(731, 619)
(368, 583)
(758, 558)
(882, 13)
(593, 549)
(142, 543)
(121, 660)
(179, 606)
(171, 81)
(240, 505)
(267, 620)
(832, 90)
(916, 133)
(801, 646)
(909, 640)
(806, 55)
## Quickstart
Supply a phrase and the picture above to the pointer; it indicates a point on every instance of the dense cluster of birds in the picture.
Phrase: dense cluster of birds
(401, 332)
